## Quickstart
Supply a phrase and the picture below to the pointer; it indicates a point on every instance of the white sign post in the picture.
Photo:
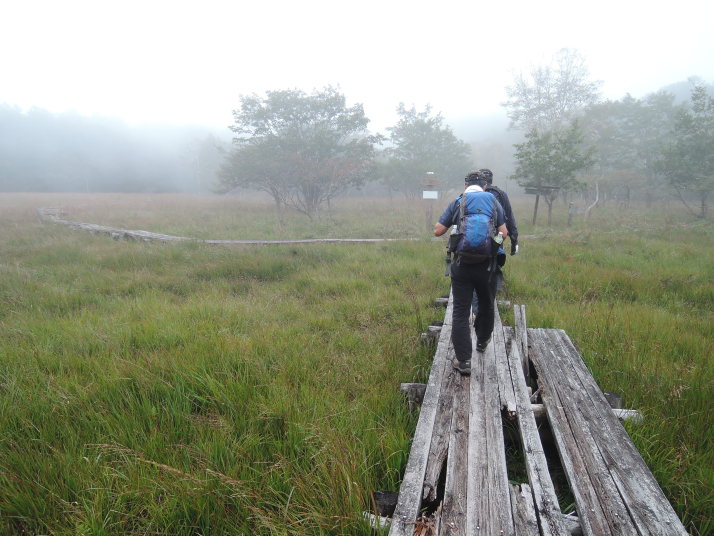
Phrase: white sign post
(430, 194)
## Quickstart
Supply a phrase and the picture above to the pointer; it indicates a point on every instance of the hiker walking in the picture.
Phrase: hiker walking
(481, 225)
(502, 198)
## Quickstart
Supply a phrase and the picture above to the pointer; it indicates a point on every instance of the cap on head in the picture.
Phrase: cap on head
(486, 174)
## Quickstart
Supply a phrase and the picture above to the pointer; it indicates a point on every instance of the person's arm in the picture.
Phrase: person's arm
(501, 220)
(439, 229)
(511, 224)
(510, 219)
(446, 220)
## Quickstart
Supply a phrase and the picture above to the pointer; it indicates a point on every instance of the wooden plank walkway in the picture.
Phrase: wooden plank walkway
(55, 215)
(457, 479)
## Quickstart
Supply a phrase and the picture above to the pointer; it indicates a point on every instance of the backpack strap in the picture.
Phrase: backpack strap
(496, 192)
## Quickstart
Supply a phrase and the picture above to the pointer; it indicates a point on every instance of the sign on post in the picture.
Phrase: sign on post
(430, 193)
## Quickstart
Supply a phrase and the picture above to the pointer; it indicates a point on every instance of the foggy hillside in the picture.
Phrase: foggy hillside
(42, 151)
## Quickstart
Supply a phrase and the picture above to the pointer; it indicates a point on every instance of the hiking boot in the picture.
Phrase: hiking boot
(481, 345)
(464, 367)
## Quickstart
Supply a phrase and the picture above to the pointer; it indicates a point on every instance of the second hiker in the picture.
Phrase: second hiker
(481, 228)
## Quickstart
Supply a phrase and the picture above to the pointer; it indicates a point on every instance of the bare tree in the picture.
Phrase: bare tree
(550, 96)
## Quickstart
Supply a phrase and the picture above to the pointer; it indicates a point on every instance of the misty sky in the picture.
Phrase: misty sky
(188, 62)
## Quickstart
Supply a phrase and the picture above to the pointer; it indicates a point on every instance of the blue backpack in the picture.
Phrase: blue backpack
(477, 228)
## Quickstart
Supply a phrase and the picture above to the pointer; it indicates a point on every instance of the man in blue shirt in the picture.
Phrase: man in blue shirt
(469, 278)
(502, 198)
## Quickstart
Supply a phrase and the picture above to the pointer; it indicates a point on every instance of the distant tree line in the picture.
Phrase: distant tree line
(305, 149)
(628, 147)
(42, 151)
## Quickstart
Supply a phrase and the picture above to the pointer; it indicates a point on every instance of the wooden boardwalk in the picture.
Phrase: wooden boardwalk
(457, 478)
(56, 215)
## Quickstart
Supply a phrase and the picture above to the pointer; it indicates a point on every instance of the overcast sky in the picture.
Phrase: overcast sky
(188, 62)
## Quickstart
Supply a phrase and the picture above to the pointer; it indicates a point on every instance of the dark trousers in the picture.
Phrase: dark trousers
(496, 283)
(465, 280)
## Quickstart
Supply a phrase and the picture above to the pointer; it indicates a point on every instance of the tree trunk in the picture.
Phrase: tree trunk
(279, 209)
(535, 209)
(597, 198)
(550, 199)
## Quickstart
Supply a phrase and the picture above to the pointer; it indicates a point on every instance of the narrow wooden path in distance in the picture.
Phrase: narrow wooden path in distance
(55, 215)
(457, 478)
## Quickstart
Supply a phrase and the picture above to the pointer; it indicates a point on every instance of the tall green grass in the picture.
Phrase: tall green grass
(188, 389)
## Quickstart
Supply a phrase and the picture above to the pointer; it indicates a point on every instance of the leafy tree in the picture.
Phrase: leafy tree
(629, 135)
(421, 143)
(688, 163)
(607, 127)
(552, 158)
(551, 96)
(302, 149)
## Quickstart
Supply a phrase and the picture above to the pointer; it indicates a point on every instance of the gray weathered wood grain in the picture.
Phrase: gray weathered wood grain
(453, 516)
(521, 339)
(440, 433)
(541, 485)
(524, 513)
(590, 511)
(411, 489)
(637, 488)
(489, 498)
(505, 382)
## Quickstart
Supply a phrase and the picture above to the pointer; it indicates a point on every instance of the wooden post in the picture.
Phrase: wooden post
(415, 393)
(614, 400)
(442, 302)
(535, 209)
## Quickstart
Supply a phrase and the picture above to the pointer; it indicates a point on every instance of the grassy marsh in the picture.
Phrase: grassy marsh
(189, 389)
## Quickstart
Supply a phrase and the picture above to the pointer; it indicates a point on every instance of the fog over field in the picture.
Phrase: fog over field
(138, 97)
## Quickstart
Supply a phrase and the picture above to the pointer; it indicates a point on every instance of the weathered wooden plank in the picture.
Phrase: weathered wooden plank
(477, 475)
(375, 521)
(541, 485)
(453, 515)
(411, 489)
(579, 411)
(644, 500)
(54, 215)
(499, 488)
(641, 497)
(505, 383)
(525, 521)
(488, 508)
(621, 414)
(590, 510)
(583, 421)
(521, 338)
(441, 431)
